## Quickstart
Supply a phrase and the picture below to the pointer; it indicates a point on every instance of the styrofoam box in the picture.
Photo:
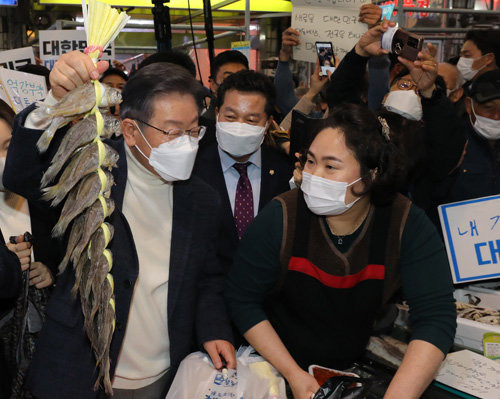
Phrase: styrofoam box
(469, 332)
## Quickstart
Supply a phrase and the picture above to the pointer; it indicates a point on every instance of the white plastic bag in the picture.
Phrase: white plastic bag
(254, 378)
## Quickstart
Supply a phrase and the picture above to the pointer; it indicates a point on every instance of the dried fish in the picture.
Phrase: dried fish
(94, 217)
(47, 136)
(82, 196)
(477, 313)
(81, 100)
(85, 161)
(96, 283)
(78, 135)
(99, 241)
(74, 238)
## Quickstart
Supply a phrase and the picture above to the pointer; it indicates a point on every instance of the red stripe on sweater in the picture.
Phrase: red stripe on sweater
(370, 272)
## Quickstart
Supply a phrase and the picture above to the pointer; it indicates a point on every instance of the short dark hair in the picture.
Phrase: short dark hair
(227, 57)
(39, 70)
(248, 81)
(363, 136)
(487, 41)
(7, 114)
(114, 71)
(152, 81)
(173, 57)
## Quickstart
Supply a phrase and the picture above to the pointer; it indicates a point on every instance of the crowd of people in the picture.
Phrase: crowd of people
(211, 247)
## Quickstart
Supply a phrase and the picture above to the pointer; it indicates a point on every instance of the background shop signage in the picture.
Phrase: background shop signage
(255, 5)
(19, 89)
(333, 21)
(409, 3)
(243, 47)
(54, 43)
(472, 235)
(13, 59)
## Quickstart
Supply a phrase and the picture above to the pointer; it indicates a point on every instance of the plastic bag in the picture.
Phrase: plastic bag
(254, 378)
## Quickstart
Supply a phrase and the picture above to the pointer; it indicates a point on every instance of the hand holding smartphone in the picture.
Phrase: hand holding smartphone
(402, 43)
(326, 57)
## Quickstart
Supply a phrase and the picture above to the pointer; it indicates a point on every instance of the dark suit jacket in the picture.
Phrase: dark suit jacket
(64, 365)
(276, 173)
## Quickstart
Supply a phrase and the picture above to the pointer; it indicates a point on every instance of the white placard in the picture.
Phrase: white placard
(22, 89)
(471, 373)
(12, 59)
(54, 43)
(472, 235)
(333, 21)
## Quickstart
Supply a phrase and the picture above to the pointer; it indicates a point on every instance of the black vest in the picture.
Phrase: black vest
(326, 302)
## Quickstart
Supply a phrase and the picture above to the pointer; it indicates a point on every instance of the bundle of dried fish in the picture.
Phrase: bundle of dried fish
(82, 158)
(477, 313)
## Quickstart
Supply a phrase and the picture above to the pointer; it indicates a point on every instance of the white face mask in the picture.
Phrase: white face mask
(2, 167)
(172, 160)
(449, 91)
(486, 127)
(405, 103)
(464, 66)
(325, 197)
(239, 139)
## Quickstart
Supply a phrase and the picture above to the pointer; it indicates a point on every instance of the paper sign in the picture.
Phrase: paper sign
(12, 59)
(243, 47)
(471, 373)
(22, 89)
(333, 21)
(54, 43)
(472, 235)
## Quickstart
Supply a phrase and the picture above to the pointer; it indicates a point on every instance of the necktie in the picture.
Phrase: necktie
(243, 204)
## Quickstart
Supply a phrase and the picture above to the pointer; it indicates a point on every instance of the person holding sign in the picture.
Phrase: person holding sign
(317, 263)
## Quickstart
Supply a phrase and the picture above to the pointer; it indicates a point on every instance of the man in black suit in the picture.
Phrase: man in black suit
(245, 173)
(167, 280)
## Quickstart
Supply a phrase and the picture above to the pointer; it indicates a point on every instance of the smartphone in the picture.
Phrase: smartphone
(402, 43)
(326, 57)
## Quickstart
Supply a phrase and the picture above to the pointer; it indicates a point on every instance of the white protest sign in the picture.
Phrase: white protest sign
(472, 235)
(12, 59)
(22, 89)
(53, 43)
(333, 21)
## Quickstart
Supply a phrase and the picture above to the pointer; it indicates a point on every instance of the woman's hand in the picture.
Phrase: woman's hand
(289, 39)
(370, 43)
(22, 250)
(303, 385)
(423, 70)
(72, 70)
(317, 82)
(40, 275)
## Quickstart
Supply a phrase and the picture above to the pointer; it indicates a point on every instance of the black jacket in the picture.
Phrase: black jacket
(276, 172)
(64, 365)
(479, 173)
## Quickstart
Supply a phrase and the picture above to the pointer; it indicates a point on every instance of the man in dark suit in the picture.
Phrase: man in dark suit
(167, 280)
(245, 173)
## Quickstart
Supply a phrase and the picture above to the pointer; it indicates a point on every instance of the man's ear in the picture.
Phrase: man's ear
(129, 130)
(270, 121)
(457, 95)
(490, 59)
